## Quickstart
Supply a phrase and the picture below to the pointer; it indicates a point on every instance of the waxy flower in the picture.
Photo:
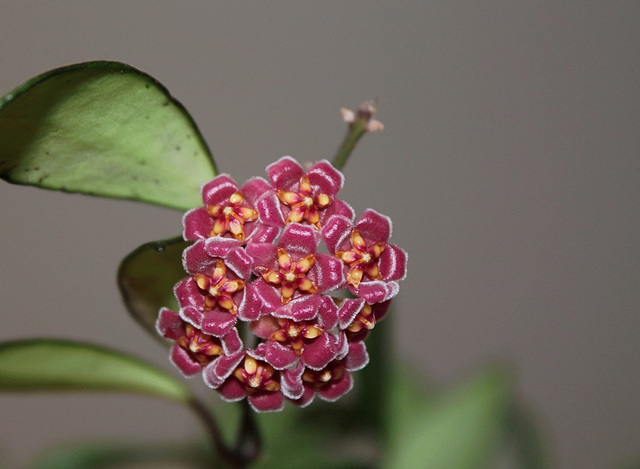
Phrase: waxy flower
(229, 212)
(192, 349)
(292, 274)
(372, 265)
(256, 261)
(303, 197)
(333, 381)
(218, 292)
(357, 318)
(311, 342)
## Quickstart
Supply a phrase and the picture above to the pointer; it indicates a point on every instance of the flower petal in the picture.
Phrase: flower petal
(193, 316)
(270, 296)
(357, 358)
(181, 359)
(220, 247)
(264, 255)
(231, 343)
(250, 305)
(328, 179)
(327, 313)
(267, 402)
(255, 188)
(337, 389)
(260, 233)
(393, 263)
(306, 398)
(240, 262)
(349, 310)
(374, 226)
(336, 232)
(328, 272)
(279, 356)
(169, 324)
(197, 224)
(218, 190)
(337, 208)
(318, 353)
(285, 173)
(291, 382)
(269, 210)
(376, 291)
(217, 323)
(195, 258)
(188, 294)
(219, 369)
(298, 238)
(231, 390)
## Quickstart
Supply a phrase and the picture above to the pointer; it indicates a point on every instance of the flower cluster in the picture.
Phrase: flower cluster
(255, 261)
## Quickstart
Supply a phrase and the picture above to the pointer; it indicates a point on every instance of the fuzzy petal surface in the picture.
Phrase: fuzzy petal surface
(376, 291)
(374, 226)
(218, 190)
(393, 263)
(336, 232)
(285, 173)
(327, 178)
(217, 323)
(267, 401)
(300, 239)
(337, 389)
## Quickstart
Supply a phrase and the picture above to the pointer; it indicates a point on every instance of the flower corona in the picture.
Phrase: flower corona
(256, 258)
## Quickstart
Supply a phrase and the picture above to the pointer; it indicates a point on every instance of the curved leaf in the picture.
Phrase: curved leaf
(59, 365)
(112, 454)
(146, 278)
(103, 129)
(462, 431)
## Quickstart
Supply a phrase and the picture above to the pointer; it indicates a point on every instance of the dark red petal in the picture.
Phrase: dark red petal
(337, 389)
(218, 190)
(217, 323)
(285, 173)
(336, 232)
(326, 178)
(197, 224)
(181, 359)
(393, 263)
(267, 402)
(374, 227)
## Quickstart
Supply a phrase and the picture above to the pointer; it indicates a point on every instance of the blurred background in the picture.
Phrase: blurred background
(509, 164)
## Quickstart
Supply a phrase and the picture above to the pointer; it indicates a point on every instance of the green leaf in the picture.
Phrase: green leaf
(58, 365)
(528, 441)
(103, 129)
(462, 431)
(146, 278)
(111, 455)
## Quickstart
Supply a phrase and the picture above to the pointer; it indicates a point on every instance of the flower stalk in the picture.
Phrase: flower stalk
(360, 122)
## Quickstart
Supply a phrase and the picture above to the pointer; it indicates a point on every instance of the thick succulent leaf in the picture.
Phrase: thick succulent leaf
(111, 455)
(146, 278)
(59, 365)
(104, 129)
(462, 431)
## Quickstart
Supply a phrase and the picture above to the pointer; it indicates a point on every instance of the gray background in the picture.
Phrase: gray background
(509, 165)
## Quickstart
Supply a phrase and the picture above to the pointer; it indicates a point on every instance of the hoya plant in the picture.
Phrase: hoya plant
(272, 296)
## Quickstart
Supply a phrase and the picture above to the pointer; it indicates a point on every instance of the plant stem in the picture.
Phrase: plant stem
(360, 122)
(228, 456)
(355, 132)
(249, 442)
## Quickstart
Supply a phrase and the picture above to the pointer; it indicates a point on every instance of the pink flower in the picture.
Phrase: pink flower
(218, 291)
(246, 374)
(292, 274)
(229, 212)
(333, 381)
(300, 197)
(372, 265)
(311, 342)
(192, 349)
(357, 318)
